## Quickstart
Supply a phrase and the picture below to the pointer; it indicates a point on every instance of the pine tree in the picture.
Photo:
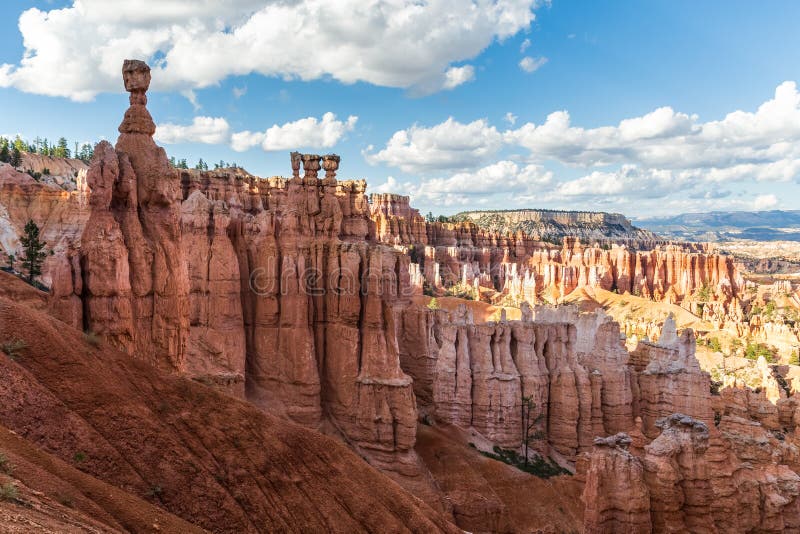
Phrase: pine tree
(16, 157)
(5, 155)
(86, 153)
(61, 150)
(11, 259)
(19, 144)
(33, 251)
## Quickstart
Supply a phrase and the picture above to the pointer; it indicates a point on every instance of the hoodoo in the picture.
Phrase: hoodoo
(304, 301)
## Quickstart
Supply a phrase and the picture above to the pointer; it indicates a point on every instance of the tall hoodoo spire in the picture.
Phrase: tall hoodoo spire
(136, 75)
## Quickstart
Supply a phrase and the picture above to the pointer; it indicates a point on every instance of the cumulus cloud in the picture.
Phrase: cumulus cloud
(765, 202)
(309, 132)
(651, 160)
(761, 145)
(627, 181)
(208, 130)
(456, 76)
(532, 64)
(463, 188)
(448, 145)
(194, 44)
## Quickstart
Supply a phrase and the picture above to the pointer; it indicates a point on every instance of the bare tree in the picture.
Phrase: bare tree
(529, 423)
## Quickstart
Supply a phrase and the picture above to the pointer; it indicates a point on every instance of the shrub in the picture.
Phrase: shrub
(704, 293)
(5, 464)
(794, 359)
(540, 467)
(714, 344)
(79, 457)
(433, 304)
(9, 492)
(754, 350)
(13, 348)
(91, 338)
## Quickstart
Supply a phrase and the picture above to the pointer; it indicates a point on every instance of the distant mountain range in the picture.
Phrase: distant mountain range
(774, 225)
(553, 225)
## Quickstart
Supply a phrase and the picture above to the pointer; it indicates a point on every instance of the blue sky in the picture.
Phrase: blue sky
(647, 108)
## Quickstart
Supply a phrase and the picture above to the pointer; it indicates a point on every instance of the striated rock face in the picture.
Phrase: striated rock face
(573, 368)
(678, 477)
(136, 285)
(615, 494)
(517, 266)
(104, 265)
(672, 381)
(270, 290)
(215, 349)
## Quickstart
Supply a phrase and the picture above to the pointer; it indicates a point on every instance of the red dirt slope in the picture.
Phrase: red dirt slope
(54, 497)
(213, 460)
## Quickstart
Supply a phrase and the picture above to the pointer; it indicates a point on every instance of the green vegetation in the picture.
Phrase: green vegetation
(5, 465)
(540, 467)
(9, 492)
(704, 293)
(714, 344)
(433, 304)
(43, 147)
(430, 217)
(794, 359)
(461, 291)
(754, 350)
(33, 251)
(79, 457)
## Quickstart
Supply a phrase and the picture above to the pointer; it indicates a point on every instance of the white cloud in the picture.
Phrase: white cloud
(309, 132)
(456, 76)
(532, 64)
(659, 161)
(242, 141)
(760, 145)
(629, 181)
(208, 130)
(464, 188)
(191, 96)
(524, 46)
(195, 44)
(448, 145)
(764, 202)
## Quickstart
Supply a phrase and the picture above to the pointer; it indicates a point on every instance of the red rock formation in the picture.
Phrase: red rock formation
(296, 294)
(672, 381)
(615, 493)
(216, 346)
